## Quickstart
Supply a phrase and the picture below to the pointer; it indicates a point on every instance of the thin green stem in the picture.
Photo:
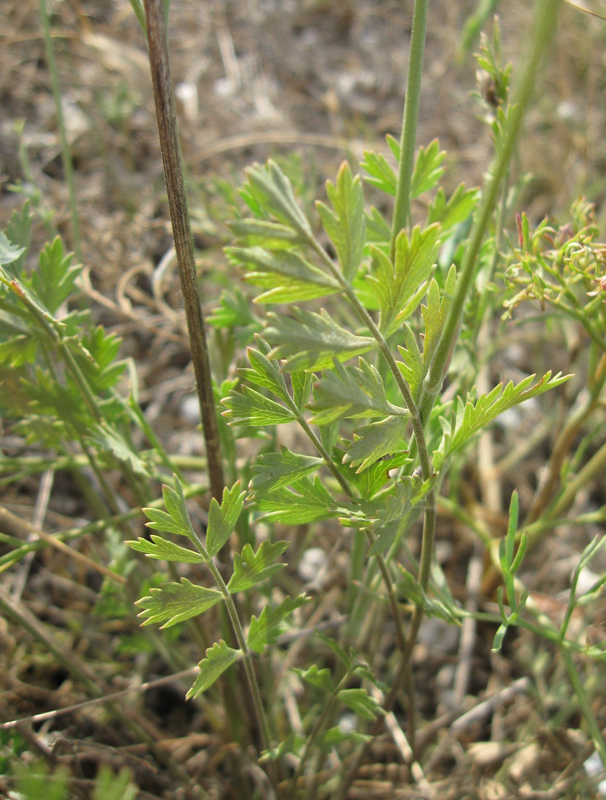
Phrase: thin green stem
(66, 157)
(583, 701)
(412, 103)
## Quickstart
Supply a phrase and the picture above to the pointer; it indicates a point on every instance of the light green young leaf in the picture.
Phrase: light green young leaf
(352, 392)
(336, 648)
(345, 225)
(176, 602)
(412, 367)
(166, 550)
(301, 387)
(400, 286)
(287, 275)
(251, 568)
(428, 168)
(374, 477)
(218, 658)
(320, 678)
(309, 501)
(264, 371)
(266, 629)
(375, 441)
(360, 702)
(273, 192)
(162, 521)
(471, 417)
(249, 407)
(109, 786)
(377, 229)
(397, 510)
(109, 438)
(311, 341)
(175, 519)
(409, 587)
(9, 252)
(459, 206)
(333, 737)
(222, 518)
(380, 173)
(435, 313)
(273, 471)
(55, 277)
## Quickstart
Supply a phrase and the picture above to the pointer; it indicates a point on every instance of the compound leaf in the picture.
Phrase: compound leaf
(251, 568)
(176, 602)
(222, 518)
(166, 550)
(249, 407)
(273, 192)
(375, 441)
(266, 629)
(218, 658)
(309, 501)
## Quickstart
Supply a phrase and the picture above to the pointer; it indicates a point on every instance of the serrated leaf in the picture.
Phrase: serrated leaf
(460, 205)
(309, 501)
(395, 513)
(336, 648)
(262, 233)
(19, 233)
(249, 407)
(9, 252)
(471, 416)
(409, 587)
(264, 371)
(335, 736)
(287, 275)
(273, 192)
(412, 367)
(161, 521)
(219, 657)
(301, 387)
(176, 602)
(428, 168)
(360, 702)
(165, 550)
(435, 313)
(174, 500)
(311, 341)
(380, 174)
(320, 678)
(351, 392)
(234, 312)
(266, 629)
(345, 223)
(272, 471)
(374, 477)
(399, 287)
(222, 518)
(108, 437)
(251, 568)
(375, 441)
(55, 277)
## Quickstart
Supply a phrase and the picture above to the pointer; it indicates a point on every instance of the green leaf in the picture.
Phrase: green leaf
(320, 678)
(374, 477)
(176, 602)
(301, 387)
(161, 521)
(409, 587)
(251, 568)
(273, 192)
(234, 312)
(380, 173)
(309, 501)
(249, 407)
(460, 205)
(262, 233)
(428, 168)
(435, 313)
(471, 416)
(166, 550)
(222, 518)
(109, 438)
(272, 471)
(19, 233)
(266, 629)
(218, 658)
(352, 392)
(333, 737)
(375, 441)
(336, 648)
(55, 277)
(394, 515)
(264, 371)
(360, 702)
(9, 253)
(345, 225)
(288, 276)
(412, 367)
(311, 341)
(399, 287)
(109, 786)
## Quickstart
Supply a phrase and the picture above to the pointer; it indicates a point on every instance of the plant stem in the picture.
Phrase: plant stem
(412, 102)
(544, 29)
(177, 199)
(66, 157)
(581, 695)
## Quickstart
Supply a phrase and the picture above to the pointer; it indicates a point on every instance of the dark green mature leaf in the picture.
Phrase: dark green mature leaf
(273, 192)
(360, 702)
(471, 416)
(375, 441)
(287, 275)
(266, 629)
(218, 658)
(272, 471)
(250, 407)
(312, 341)
(351, 392)
(309, 501)
(222, 518)
(176, 602)
(345, 223)
(265, 371)
(165, 550)
(459, 206)
(55, 277)
(251, 568)
(400, 286)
